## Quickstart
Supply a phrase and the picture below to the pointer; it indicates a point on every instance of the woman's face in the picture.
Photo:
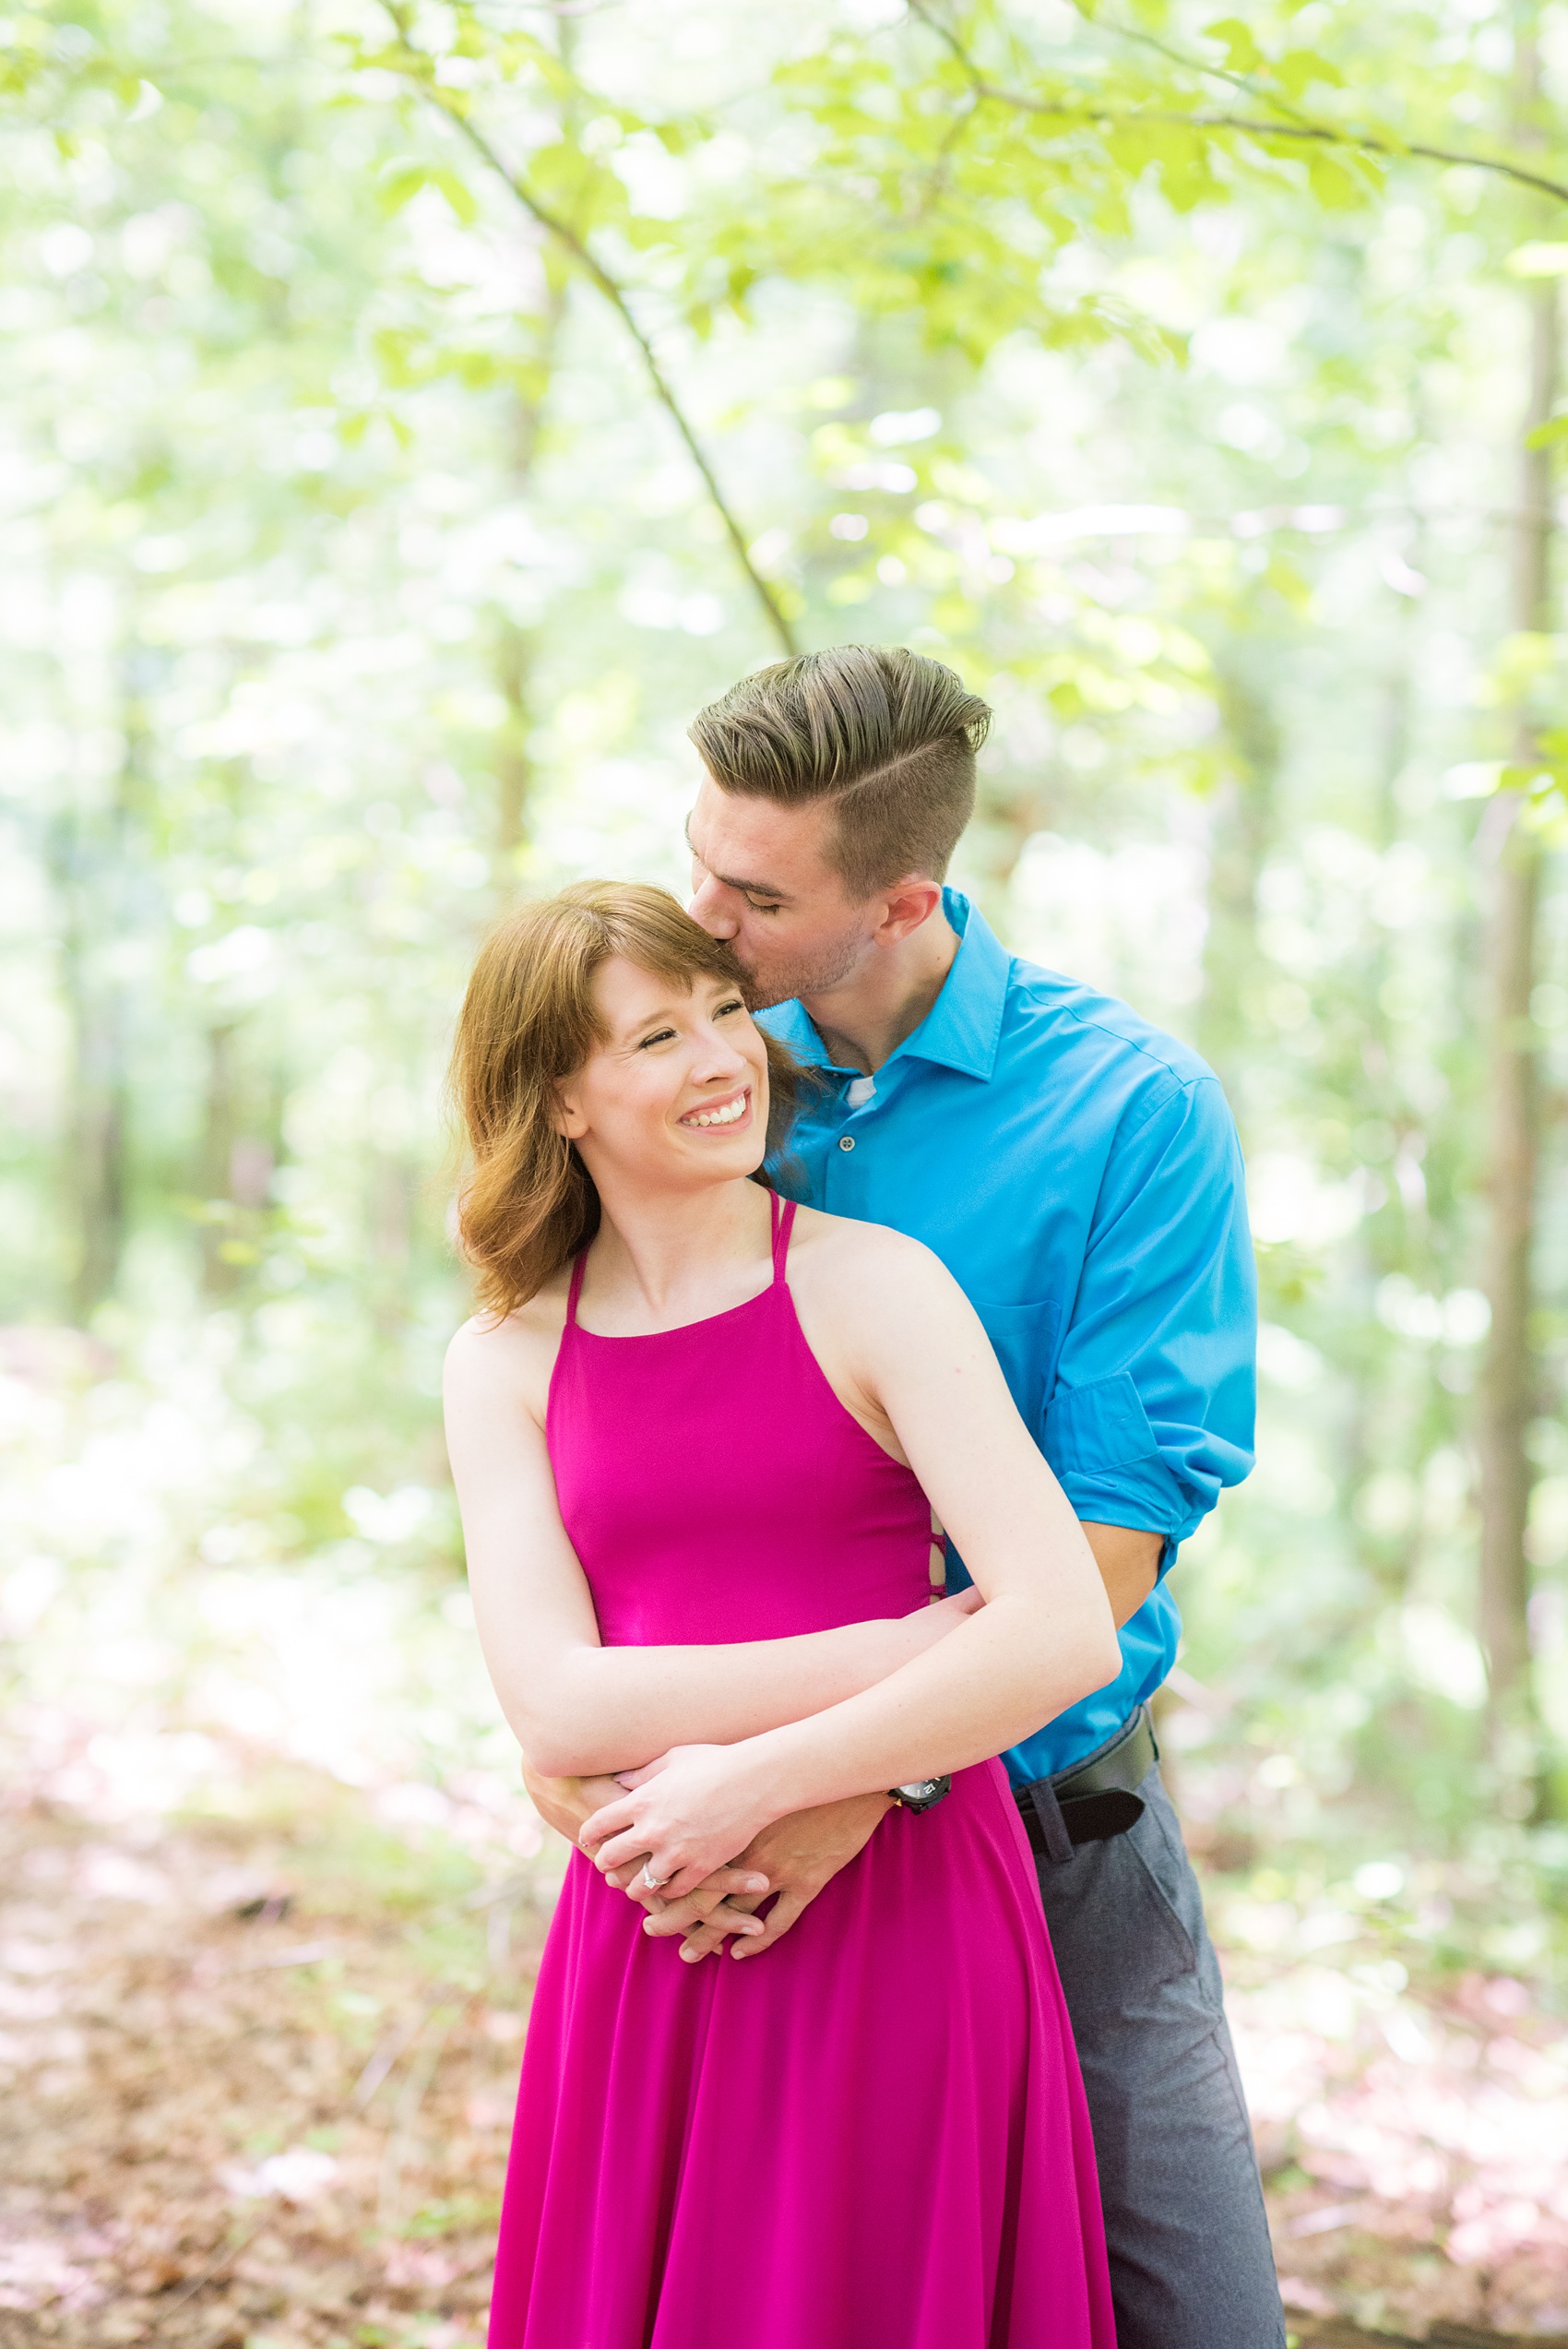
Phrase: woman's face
(677, 1093)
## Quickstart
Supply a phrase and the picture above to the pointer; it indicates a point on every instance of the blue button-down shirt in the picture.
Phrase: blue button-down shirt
(1078, 1174)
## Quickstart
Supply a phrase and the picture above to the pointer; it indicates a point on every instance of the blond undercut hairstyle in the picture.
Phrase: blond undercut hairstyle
(885, 737)
(527, 1203)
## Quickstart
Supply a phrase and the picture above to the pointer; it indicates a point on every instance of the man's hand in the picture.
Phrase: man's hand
(564, 1803)
(721, 1904)
(797, 1855)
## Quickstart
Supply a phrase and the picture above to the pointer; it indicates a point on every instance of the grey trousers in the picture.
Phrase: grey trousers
(1191, 2264)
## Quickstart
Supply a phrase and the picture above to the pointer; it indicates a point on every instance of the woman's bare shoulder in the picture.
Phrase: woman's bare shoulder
(515, 1351)
(866, 1257)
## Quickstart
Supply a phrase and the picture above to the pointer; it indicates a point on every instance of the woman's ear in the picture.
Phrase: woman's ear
(566, 1116)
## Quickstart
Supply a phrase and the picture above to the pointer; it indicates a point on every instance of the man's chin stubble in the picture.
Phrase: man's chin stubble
(766, 988)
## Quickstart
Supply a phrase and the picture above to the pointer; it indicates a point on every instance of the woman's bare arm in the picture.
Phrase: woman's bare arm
(579, 1707)
(1043, 1639)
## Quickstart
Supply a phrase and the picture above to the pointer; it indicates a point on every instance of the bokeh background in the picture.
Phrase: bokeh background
(409, 415)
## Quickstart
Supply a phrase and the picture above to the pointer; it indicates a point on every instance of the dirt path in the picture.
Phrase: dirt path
(251, 2101)
(258, 2076)
(1335, 2333)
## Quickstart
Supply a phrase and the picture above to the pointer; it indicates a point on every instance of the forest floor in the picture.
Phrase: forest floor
(259, 2072)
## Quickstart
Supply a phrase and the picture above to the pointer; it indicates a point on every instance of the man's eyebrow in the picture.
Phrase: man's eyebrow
(734, 881)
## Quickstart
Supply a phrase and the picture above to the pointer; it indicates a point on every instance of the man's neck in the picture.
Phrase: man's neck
(863, 1021)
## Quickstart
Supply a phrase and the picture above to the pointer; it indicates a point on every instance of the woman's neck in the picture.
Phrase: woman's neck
(678, 1256)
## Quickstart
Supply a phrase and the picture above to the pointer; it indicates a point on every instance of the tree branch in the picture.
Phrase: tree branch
(593, 269)
(1300, 130)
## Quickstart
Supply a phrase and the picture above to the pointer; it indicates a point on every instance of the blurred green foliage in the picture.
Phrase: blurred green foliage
(1165, 374)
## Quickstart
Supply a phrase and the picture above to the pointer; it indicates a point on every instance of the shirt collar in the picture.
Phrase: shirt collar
(963, 1027)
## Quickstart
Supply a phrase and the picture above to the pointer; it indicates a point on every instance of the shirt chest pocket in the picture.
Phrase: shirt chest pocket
(1024, 1339)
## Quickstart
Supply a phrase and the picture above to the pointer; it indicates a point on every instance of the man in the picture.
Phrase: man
(1078, 1173)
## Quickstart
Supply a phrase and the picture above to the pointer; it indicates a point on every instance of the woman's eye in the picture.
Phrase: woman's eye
(722, 1010)
(662, 1037)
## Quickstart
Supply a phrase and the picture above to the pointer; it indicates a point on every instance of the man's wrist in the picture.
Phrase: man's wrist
(564, 1803)
(920, 1794)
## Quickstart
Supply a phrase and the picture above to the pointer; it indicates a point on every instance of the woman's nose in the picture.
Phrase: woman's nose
(719, 1060)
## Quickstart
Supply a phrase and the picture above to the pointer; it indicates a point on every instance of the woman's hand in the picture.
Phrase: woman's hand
(686, 1816)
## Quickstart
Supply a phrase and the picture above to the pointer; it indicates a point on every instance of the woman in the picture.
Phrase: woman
(693, 1432)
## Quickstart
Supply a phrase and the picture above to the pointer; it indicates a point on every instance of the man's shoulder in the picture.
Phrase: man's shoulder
(1055, 1017)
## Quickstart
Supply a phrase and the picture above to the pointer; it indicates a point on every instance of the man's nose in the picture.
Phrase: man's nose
(709, 906)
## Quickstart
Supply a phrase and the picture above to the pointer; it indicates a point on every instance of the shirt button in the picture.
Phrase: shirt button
(846, 1141)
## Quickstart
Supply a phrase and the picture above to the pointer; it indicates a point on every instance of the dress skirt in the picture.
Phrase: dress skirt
(873, 2137)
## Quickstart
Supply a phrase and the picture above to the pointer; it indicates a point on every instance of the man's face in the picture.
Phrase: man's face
(761, 878)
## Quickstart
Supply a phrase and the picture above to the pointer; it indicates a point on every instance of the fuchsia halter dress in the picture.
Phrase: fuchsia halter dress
(873, 2137)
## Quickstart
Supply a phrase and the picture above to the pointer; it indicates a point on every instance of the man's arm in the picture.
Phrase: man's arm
(1151, 1415)
(1128, 1560)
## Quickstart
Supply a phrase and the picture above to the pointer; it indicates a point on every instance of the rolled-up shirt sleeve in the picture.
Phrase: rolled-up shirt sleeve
(1151, 1413)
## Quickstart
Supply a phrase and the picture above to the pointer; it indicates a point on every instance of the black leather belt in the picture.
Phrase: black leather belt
(1093, 1800)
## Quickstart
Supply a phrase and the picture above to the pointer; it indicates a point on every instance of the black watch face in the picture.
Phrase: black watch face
(922, 1790)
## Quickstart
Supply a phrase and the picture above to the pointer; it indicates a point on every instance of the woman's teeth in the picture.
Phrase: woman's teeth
(727, 1115)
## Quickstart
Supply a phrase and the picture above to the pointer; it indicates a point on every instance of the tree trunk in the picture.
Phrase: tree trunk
(515, 646)
(1239, 841)
(1507, 1391)
(1508, 1385)
(220, 1273)
(514, 765)
(93, 862)
(97, 1121)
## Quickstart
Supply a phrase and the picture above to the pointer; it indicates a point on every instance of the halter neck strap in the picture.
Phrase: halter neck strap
(783, 1215)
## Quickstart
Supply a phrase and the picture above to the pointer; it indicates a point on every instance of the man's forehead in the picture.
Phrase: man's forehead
(753, 842)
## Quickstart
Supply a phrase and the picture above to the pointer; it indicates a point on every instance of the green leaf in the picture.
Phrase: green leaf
(397, 182)
(1298, 69)
(1335, 182)
(1241, 51)
(400, 180)
(1536, 777)
(458, 192)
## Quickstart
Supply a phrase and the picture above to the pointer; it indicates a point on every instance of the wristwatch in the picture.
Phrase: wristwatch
(920, 1794)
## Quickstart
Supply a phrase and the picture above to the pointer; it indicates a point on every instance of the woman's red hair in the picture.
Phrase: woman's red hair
(527, 1204)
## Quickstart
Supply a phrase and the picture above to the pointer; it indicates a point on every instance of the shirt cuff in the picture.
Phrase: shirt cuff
(1149, 1503)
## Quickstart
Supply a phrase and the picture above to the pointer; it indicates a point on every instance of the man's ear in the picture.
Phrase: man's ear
(906, 905)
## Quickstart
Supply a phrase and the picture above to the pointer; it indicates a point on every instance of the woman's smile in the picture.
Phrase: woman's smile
(733, 1110)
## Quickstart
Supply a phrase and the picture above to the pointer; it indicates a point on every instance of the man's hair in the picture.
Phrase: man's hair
(886, 736)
